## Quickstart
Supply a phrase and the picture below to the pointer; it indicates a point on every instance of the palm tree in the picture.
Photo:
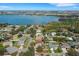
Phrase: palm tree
(58, 50)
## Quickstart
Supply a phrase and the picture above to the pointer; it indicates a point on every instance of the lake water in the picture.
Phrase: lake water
(26, 19)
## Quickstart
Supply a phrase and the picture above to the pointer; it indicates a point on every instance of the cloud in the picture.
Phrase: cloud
(65, 4)
(5, 7)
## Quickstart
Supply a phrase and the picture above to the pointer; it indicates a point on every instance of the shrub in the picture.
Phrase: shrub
(58, 50)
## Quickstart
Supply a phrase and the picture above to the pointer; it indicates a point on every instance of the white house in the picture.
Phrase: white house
(38, 32)
(69, 38)
(53, 33)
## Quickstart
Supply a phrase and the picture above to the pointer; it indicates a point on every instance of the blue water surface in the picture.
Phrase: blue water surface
(26, 19)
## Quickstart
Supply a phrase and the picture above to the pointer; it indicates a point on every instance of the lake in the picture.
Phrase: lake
(26, 19)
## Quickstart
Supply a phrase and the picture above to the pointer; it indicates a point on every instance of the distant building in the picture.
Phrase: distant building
(68, 18)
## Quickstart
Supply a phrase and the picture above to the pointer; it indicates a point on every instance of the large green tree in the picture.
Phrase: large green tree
(2, 49)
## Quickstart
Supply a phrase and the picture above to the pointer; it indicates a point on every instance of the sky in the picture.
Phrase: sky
(39, 6)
